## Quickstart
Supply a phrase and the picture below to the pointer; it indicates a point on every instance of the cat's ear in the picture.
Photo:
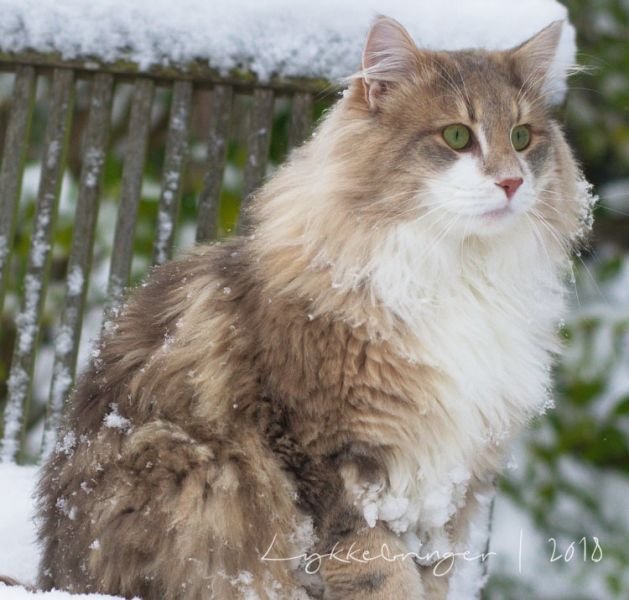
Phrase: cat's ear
(533, 59)
(389, 55)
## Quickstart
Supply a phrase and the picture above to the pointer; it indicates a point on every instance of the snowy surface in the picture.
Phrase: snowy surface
(274, 37)
(18, 549)
(518, 547)
(20, 593)
(19, 553)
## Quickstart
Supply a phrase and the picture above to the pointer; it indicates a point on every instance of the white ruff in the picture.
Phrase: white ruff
(484, 314)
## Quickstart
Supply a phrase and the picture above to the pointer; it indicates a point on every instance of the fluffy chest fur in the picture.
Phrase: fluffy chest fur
(481, 330)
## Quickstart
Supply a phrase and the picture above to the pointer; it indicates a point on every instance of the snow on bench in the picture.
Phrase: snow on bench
(285, 38)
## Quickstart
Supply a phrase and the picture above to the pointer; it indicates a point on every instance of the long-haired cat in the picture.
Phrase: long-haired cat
(343, 380)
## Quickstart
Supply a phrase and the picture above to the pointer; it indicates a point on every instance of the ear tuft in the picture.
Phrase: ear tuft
(389, 55)
(533, 59)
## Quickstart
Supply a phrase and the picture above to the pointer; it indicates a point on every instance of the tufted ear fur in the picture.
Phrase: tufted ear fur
(389, 55)
(533, 59)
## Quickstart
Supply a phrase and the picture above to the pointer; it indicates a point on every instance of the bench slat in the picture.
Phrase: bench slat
(15, 145)
(198, 71)
(300, 119)
(174, 170)
(259, 139)
(80, 260)
(131, 190)
(35, 281)
(218, 137)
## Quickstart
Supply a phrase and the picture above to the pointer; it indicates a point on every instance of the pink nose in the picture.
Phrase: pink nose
(510, 185)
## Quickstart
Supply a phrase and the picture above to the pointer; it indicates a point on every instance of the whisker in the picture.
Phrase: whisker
(563, 245)
(600, 292)
(573, 279)
(614, 210)
(539, 239)
(442, 236)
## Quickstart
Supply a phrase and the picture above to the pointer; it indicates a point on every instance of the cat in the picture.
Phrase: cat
(343, 379)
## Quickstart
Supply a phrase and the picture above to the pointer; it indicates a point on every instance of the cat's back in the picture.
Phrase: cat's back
(151, 368)
(149, 346)
(156, 455)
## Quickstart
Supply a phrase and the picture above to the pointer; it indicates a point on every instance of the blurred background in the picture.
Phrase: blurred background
(561, 527)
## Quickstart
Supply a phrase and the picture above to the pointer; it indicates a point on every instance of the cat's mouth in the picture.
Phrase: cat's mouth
(498, 213)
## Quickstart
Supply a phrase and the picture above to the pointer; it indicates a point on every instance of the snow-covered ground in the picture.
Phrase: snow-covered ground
(19, 552)
(18, 548)
(520, 549)
(20, 593)
(271, 37)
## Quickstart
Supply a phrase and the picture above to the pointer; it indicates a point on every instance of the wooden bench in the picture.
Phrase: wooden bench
(96, 85)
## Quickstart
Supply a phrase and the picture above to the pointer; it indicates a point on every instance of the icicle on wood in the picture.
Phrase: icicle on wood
(174, 169)
(80, 260)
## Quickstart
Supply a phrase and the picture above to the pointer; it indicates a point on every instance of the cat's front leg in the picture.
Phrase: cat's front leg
(361, 558)
(367, 563)
(436, 584)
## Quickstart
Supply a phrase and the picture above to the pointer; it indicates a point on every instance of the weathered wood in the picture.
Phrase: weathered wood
(260, 125)
(198, 71)
(174, 170)
(29, 320)
(15, 144)
(80, 260)
(218, 137)
(300, 119)
(133, 170)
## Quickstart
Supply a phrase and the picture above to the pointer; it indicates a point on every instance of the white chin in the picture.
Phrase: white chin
(494, 222)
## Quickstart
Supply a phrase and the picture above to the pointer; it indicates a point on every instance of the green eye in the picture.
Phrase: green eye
(457, 136)
(521, 137)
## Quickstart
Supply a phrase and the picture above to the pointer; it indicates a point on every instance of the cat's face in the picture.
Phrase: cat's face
(483, 158)
(468, 135)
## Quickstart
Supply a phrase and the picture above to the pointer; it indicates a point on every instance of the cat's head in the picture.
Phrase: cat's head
(467, 137)
(430, 159)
